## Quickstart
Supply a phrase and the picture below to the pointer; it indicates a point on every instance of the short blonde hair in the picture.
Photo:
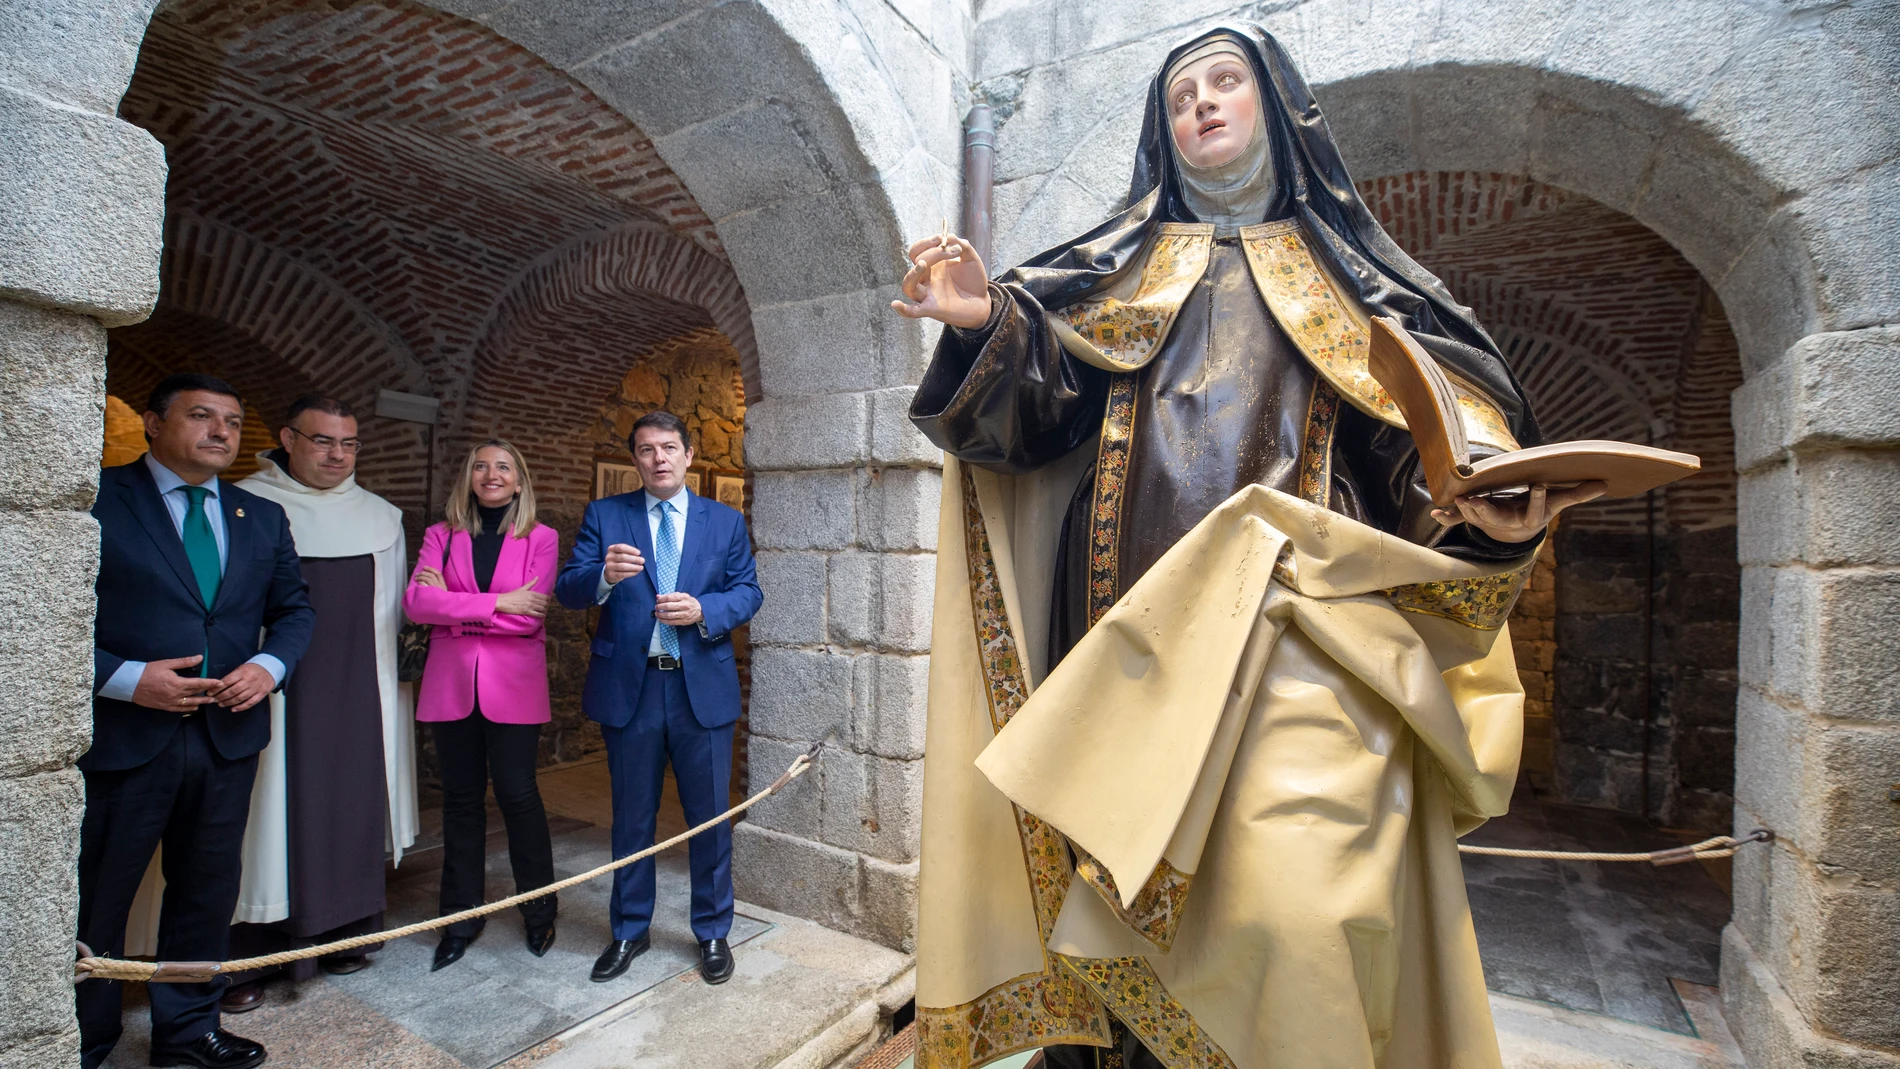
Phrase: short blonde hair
(462, 514)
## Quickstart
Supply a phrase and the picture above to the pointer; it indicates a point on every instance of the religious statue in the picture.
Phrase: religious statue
(1214, 686)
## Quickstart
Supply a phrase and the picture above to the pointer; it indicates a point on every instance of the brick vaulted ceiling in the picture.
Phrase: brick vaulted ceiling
(371, 194)
(1612, 332)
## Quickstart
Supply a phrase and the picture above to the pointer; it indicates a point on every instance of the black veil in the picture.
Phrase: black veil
(1315, 187)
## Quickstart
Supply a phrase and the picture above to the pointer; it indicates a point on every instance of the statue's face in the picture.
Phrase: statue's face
(1213, 105)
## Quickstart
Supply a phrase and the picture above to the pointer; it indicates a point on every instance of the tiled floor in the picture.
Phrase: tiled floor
(1603, 938)
(499, 1000)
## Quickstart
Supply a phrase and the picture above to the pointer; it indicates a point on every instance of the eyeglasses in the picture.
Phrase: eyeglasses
(327, 443)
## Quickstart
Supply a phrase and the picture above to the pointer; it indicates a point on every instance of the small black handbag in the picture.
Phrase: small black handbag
(412, 642)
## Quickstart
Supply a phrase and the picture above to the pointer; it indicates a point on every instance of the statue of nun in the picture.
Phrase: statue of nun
(1214, 688)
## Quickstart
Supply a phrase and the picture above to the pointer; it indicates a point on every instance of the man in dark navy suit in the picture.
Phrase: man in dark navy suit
(674, 573)
(191, 571)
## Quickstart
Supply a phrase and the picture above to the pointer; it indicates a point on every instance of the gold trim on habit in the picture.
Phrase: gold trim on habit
(1156, 912)
(1334, 332)
(1111, 485)
(1136, 996)
(1316, 451)
(1123, 335)
(1038, 1009)
(1484, 603)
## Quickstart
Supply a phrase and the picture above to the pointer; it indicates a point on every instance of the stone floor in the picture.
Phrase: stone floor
(1592, 966)
(1604, 938)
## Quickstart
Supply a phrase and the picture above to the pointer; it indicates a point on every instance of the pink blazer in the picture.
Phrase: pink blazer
(474, 650)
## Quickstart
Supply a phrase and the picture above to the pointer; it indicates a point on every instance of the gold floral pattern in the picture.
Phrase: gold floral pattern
(1111, 483)
(1156, 912)
(1037, 1009)
(1030, 1011)
(1122, 335)
(1316, 451)
(1135, 994)
(1484, 603)
(1334, 335)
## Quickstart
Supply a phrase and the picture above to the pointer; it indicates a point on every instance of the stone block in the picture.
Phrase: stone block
(569, 33)
(882, 600)
(1831, 389)
(78, 52)
(873, 805)
(82, 210)
(894, 438)
(781, 164)
(1468, 118)
(1059, 210)
(1770, 292)
(795, 875)
(793, 613)
(796, 810)
(790, 433)
(854, 226)
(1671, 50)
(1770, 759)
(1754, 653)
(1370, 116)
(1853, 662)
(1011, 38)
(835, 344)
(47, 564)
(887, 903)
(53, 393)
(804, 510)
(1596, 147)
(898, 509)
(801, 695)
(1709, 204)
(1064, 106)
(1769, 1027)
(889, 698)
(39, 822)
(36, 1052)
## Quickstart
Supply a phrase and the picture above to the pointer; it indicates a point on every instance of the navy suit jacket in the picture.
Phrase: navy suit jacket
(715, 566)
(150, 609)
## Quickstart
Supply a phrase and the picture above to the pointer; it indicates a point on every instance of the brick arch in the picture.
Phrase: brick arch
(640, 264)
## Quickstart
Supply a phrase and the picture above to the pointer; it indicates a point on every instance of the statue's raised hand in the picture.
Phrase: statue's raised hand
(946, 282)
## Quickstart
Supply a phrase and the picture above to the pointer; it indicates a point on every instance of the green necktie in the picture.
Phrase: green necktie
(201, 546)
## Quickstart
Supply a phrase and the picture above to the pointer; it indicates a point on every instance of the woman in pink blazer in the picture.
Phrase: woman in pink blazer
(481, 579)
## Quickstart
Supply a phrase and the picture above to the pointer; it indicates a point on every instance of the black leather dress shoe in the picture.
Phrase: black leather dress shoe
(540, 939)
(619, 954)
(344, 965)
(216, 1049)
(715, 961)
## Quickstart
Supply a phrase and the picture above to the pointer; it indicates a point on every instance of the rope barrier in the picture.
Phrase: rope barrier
(196, 972)
(193, 972)
(1720, 846)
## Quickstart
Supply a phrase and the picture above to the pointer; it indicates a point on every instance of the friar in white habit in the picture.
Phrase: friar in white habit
(336, 789)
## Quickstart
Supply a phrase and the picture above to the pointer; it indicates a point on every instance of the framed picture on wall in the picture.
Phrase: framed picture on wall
(693, 479)
(729, 490)
(615, 477)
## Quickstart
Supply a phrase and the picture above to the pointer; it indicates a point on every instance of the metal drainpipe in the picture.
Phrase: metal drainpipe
(979, 171)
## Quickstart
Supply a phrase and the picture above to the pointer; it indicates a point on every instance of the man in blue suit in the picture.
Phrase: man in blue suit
(674, 574)
(191, 571)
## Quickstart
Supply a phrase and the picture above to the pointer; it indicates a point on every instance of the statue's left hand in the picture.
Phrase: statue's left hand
(1522, 521)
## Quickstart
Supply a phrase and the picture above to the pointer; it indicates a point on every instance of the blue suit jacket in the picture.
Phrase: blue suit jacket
(150, 610)
(715, 566)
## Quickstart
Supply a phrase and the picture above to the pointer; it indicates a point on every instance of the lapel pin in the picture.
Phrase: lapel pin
(240, 513)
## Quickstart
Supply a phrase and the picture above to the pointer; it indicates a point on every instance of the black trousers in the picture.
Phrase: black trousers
(196, 803)
(472, 751)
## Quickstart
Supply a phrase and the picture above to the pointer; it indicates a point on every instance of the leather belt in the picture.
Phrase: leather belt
(665, 662)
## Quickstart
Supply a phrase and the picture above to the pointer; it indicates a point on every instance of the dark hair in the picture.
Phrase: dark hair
(316, 402)
(172, 385)
(665, 421)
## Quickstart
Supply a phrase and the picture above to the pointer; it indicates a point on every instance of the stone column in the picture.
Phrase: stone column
(1808, 962)
(81, 206)
(846, 528)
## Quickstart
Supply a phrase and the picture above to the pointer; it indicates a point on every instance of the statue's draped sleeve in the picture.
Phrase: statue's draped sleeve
(1006, 396)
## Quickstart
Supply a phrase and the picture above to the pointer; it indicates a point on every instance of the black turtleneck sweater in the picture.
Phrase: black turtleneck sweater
(487, 543)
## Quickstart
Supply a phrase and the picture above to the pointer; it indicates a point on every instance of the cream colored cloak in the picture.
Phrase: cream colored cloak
(1229, 816)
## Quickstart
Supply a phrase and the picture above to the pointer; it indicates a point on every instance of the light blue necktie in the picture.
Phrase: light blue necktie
(666, 573)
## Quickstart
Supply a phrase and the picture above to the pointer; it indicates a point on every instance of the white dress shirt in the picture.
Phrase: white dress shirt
(171, 490)
(679, 502)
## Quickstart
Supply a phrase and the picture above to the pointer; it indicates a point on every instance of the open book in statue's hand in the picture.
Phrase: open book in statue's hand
(1428, 402)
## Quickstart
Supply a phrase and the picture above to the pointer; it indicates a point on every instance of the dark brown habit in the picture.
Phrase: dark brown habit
(333, 752)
